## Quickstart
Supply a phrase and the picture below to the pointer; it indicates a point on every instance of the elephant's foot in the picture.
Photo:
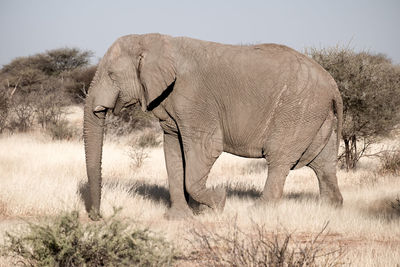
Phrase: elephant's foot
(208, 199)
(94, 215)
(178, 213)
(201, 209)
(218, 199)
(196, 207)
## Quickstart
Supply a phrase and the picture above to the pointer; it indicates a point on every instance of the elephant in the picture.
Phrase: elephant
(256, 101)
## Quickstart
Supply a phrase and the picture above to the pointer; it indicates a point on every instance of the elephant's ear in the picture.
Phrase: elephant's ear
(156, 67)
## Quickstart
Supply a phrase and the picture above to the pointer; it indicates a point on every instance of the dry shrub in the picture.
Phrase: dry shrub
(390, 162)
(138, 148)
(148, 139)
(385, 208)
(260, 247)
(137, 155)
(79, 82)
(22, 114)
(396, 206)
(50, 103)
(61, 130)
(130, 120)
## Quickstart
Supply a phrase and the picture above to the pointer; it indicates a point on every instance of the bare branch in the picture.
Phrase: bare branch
(15, 87)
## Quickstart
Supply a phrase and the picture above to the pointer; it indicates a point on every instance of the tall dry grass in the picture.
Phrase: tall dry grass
(40, 177)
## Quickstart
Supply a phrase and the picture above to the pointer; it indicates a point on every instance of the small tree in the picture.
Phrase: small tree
(22, 113)
(6, 94)
(4, 109)
(370, 88)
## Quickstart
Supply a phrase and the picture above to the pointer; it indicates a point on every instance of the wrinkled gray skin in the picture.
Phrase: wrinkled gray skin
(262, 101)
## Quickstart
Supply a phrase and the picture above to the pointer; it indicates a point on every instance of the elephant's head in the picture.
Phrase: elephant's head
(135, 69)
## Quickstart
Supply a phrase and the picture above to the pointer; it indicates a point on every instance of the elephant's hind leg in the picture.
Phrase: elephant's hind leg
(198, 165)
(324, 166)
(273, 188)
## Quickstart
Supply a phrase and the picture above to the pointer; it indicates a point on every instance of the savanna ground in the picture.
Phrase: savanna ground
(40, 177)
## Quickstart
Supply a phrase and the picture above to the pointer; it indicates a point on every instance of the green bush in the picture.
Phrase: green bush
(65, 241)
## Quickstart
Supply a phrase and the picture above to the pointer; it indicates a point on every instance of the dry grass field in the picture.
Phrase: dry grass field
(40, 177)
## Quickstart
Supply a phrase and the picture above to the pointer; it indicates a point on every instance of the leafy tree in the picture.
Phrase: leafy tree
(54, 62)
(78, 82)
(22, 73)
(42, 85)
(370, 88)
(32, 70)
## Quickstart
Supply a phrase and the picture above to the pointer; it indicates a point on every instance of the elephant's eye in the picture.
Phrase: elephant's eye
(112, 76)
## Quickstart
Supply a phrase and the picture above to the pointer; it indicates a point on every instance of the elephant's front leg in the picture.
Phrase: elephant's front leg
(200, 156)
(174, 163)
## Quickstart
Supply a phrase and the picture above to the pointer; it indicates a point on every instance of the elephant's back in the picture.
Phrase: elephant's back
(274, 92)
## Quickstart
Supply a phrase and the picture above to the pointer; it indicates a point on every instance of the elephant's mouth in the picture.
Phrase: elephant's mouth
(100, 112)
(132, 104)
(119, 106)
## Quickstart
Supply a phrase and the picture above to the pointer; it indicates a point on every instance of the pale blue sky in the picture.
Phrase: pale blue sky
(28, 27)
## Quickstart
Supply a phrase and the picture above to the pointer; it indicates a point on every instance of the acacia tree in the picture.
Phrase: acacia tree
(56, 61)
(370, 88)
(43, 84)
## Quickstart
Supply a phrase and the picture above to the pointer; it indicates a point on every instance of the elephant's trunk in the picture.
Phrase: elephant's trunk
(93, 129)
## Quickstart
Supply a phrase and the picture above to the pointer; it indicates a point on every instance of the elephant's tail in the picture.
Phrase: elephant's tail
(338, 110)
